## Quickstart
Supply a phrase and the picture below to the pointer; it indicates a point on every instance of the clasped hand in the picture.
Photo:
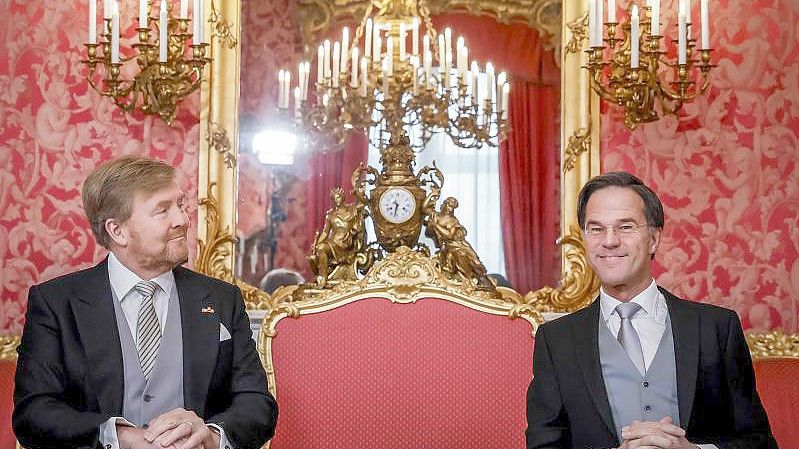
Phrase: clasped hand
(654, 435)
(178, 429)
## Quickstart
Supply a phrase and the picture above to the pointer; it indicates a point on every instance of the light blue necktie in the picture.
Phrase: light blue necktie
(628, 337)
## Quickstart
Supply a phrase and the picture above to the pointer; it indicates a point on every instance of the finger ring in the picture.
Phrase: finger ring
(189, 423)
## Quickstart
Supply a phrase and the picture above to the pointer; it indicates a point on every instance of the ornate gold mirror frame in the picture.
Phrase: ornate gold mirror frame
(217, 187)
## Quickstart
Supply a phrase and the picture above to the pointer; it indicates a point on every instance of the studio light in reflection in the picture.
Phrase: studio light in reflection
(275, 147)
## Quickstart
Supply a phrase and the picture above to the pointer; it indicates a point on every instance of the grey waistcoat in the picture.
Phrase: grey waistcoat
(634, 397)
(164, 391)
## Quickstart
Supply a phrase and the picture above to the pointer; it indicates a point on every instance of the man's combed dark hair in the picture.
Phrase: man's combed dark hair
(653, 208)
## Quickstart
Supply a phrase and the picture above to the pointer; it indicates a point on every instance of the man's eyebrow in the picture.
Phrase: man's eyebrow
(620, 220)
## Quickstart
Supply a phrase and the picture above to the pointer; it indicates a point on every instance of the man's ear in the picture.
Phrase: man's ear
(116, 232)
(654, 241)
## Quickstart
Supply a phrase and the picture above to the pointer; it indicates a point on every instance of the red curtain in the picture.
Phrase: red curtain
(529, 163)
(529, 166)
(328, 171)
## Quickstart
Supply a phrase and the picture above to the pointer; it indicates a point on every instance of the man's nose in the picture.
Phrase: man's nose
(610, 238)
(182, 219)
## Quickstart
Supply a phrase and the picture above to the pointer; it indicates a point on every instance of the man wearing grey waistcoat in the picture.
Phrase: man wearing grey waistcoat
(640, 367)
(138, 352)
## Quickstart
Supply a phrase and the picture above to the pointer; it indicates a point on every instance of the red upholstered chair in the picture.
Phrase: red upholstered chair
(8, 366)
(776, 362)
(403, 359)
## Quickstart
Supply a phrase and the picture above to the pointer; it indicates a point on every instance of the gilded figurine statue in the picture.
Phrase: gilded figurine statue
(341, 245)
(455, 255)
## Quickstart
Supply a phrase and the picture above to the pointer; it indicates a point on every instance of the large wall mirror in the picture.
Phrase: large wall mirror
(263, 193)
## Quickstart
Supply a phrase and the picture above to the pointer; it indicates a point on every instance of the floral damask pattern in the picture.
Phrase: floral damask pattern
(54, 130)
(726, 168)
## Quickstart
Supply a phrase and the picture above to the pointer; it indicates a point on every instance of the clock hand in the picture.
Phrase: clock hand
(396, 205)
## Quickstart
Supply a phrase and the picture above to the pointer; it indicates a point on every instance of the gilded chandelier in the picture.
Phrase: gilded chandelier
(392, 81)
(165, 74)
(628, 64)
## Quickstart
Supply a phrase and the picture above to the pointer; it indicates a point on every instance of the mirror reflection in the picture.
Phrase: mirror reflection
(506, 188)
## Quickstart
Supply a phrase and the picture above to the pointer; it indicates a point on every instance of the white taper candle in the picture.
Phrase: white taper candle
(92, 21)
(114, 32)
(163, 35)
(634, 37)
(705, 17)
(681, 36)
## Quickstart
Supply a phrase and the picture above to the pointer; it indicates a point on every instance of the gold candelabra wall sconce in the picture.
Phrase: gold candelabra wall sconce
(628, 63)
(166, 74)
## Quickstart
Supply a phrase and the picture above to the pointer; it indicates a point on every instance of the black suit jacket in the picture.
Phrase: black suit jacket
(69, 376)
(567, 404)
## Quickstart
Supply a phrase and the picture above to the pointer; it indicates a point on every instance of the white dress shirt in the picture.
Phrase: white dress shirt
(122, 282)
(649, 322)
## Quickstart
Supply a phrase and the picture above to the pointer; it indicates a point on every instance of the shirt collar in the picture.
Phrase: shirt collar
(123, 280)
(650, 300)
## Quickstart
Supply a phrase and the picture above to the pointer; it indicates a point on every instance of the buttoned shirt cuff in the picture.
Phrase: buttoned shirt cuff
(223, 441)
(707, 446)
(108, 432)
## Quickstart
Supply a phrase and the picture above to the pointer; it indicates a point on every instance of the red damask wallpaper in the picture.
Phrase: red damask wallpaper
(727, 170)
(54, 130)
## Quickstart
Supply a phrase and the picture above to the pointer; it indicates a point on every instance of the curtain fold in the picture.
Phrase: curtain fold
(529, 163)
(529, 159)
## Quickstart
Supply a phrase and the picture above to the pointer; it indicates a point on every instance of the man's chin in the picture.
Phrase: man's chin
(179, 257)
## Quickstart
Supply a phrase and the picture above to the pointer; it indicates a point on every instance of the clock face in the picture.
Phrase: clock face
(397, 205)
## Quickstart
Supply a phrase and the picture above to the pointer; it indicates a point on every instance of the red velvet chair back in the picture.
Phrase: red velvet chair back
(371, 373)
(7, 369)
(778, 385)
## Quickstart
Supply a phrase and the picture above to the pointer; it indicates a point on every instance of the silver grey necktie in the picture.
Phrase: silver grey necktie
(148, 330)
(628, 337)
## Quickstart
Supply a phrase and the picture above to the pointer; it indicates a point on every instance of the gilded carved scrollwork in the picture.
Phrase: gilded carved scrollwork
(217, 244)
(8, 347)
(219, 140)
(222, 28)
(579, 31)
(579, 143)
(405, 276)
(578, 286)
(316, 16)
(773, 344)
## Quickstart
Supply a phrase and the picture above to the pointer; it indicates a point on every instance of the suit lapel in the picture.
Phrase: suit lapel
(685, 328)
(586, 337)
(93, 308)
(200, 328)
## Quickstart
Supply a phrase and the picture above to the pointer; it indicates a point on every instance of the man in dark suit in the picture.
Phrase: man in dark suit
(138, 352)
(640, 367)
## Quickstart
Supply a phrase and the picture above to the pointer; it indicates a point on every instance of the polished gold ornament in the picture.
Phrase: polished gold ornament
(316, 17)
(406, 81)
(773, 344)
(340, 250)
(161, 81)
(219, 111)
(628, 70)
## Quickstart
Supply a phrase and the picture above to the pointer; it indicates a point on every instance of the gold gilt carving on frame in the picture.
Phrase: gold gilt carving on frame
(773, 344)
(217, 168)
(8, 347)
(543, 15)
